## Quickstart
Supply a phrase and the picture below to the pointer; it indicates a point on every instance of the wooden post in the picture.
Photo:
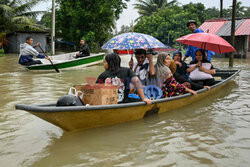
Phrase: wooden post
(221, 8)
(231, 57)
(53, 29)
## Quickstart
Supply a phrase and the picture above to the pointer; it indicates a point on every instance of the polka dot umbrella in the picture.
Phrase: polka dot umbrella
(132, 40)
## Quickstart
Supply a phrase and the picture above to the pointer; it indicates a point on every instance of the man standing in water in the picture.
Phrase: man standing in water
(84, 49)
(192, 26)
(27, 52)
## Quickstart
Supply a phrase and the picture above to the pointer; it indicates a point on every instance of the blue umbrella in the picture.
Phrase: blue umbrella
(133, 40)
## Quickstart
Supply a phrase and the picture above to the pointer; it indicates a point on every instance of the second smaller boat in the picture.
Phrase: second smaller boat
(65, 61)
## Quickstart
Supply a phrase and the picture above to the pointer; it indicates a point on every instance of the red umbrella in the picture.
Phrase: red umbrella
(207, 41)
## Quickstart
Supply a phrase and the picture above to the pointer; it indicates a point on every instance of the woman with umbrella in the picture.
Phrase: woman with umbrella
(201, 70)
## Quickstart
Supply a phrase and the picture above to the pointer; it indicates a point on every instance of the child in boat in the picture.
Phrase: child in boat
(165, 79)
(201, 70)
(120, 76)
(27, 52)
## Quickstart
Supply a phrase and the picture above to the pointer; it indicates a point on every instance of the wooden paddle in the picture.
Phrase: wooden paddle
(57, 70)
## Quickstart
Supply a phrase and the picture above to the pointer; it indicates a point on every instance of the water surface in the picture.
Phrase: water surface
(213, 132)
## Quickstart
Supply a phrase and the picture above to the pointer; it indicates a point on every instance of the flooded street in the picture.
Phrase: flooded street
(213, 132)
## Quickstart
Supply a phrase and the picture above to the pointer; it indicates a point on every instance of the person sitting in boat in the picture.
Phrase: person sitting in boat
(120, 76)
(193, 27)
(165, 80)
(84, 49)
(144, 65)
(181, 66)
(27, 52)
(181, 79)
(201, 70)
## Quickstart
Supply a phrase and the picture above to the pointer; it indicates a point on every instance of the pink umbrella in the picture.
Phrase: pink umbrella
(207, 41)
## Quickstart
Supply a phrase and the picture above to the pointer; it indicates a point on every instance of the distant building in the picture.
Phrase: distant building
(222, 27)
(18, 37)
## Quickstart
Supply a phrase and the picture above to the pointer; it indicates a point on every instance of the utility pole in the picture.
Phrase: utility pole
(53, 29)
(221, 8)
(231, 57)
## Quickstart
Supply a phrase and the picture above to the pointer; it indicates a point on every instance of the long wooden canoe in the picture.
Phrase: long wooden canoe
(85, 117)
(67, 60)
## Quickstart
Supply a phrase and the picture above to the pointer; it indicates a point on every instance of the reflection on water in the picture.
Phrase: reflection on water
(213, 132)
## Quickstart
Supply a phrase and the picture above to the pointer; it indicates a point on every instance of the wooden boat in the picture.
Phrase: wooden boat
(85, 117)
(67, 60)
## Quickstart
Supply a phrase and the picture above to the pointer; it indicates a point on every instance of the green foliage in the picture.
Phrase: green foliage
(239, 9)
(17, 15)
(247, 12)
(148, 7)
(46, 20)
(169, 23)
(125, 29)
(91, 19)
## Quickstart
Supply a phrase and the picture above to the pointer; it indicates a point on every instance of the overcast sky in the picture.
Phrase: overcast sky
(130, 13)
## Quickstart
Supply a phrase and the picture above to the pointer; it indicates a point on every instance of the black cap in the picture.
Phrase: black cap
(191, 21)
(140, 51)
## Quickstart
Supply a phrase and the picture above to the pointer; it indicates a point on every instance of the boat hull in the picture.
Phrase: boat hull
(78, 117)
(71, 62)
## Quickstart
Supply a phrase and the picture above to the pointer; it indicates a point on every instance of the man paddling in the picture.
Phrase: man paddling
(27, 52)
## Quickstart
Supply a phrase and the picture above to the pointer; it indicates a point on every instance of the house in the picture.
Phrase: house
(222, 28)
(18, 37)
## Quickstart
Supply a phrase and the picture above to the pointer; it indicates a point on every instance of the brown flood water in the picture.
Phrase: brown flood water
(213, 132)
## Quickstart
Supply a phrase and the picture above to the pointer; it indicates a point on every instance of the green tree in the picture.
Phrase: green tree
(247, 12)
(125, 29)
(147, 7)
(166, 25)
(212, 13)
(17, 15)
(197, 11)
(239, 9)
(169, 23)
(92, 20)
(46, 20)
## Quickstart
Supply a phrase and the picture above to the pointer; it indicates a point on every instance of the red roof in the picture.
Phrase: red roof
(244, 29)
(222, 27)
(212, 26)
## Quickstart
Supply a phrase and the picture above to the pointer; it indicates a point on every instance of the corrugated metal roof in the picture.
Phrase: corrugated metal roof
(225, 30)
(244, 29)
(212, 26)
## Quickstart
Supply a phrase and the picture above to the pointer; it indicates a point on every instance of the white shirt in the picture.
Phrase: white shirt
(142, 73)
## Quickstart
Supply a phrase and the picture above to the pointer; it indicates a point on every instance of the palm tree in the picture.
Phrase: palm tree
(240, 10)
(147, 7)
(17, 15)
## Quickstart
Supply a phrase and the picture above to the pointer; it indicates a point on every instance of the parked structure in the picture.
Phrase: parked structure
(18, 37)
(222, 27)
